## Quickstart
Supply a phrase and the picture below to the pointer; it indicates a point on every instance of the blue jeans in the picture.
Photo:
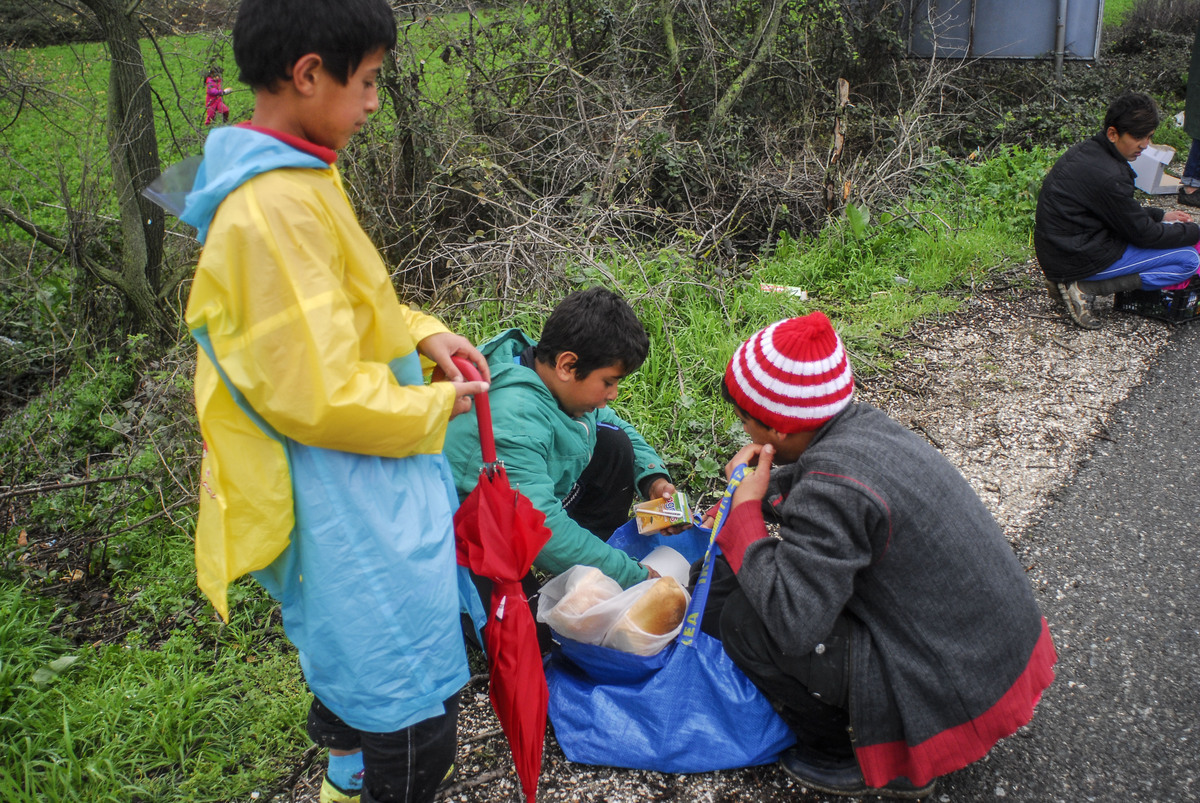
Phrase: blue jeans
(1158, 267)
(1191, 170)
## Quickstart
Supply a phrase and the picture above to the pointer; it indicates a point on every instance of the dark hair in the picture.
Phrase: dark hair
(1133, 113)
(727, 396)
(599, 327)
(270, 36)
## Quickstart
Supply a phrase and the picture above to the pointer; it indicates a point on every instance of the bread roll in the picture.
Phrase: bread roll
(590, 588)
(661, 609)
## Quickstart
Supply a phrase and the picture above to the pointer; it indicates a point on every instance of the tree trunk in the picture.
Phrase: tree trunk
(673, 67)
(761, 48)
(133, 155)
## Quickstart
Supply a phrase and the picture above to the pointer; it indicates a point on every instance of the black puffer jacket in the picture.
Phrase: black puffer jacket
(1087, 215)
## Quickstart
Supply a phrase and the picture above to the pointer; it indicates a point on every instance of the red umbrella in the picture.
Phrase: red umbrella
(498, 533)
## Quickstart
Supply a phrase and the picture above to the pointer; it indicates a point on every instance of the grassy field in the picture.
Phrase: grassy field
(162, 702)
(59, 132)
(118, 683)
(1115, 11)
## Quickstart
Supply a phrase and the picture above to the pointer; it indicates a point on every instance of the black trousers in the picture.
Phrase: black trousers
(809, 691)
(403, 766)
(600, 500)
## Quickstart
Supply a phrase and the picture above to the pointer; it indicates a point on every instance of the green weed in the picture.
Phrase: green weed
(1115, 12)
(58, 430)
(127, 722)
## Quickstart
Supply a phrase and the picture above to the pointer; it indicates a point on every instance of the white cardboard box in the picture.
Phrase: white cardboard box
(1149, 168)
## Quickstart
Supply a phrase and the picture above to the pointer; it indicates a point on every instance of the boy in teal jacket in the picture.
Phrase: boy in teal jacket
(575, 459)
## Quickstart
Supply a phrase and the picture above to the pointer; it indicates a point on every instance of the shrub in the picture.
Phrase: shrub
(35, 23)
(1147, 20)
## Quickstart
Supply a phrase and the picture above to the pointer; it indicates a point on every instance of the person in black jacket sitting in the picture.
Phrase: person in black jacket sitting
(1091, 236)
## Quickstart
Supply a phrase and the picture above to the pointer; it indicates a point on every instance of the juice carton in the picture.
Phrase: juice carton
(659, 514)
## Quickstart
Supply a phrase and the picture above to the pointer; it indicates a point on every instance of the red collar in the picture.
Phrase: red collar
(326, 155)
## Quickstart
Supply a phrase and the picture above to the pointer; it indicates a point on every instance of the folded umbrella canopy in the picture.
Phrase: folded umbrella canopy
(498, 533)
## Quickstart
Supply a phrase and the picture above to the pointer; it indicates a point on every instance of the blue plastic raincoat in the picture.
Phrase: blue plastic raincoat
(322, 471)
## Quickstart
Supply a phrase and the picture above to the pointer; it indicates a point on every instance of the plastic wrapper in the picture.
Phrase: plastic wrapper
(584, 605)
(668, 562)
(646, 630)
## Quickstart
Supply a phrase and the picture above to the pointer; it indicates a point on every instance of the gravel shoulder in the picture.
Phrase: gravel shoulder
(1007, 388)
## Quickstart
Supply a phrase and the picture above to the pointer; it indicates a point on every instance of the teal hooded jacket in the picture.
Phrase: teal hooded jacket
(544, 450)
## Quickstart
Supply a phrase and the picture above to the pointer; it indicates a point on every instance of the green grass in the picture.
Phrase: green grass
(872, 274)
(1168, 133)
(1115, 11)
(60, 131)
(166, 703)
(122, 722)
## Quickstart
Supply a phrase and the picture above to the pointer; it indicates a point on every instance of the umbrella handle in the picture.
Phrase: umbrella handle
(483, 411)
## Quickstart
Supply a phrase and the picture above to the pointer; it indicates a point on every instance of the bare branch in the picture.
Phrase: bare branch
(33, 230)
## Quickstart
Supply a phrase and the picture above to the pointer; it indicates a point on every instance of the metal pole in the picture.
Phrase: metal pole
(1060, 40)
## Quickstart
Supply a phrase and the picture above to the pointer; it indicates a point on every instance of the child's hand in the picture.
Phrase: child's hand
(661, 488)
(754, 485)
(463, 391)
(443, 346)
(748, 455)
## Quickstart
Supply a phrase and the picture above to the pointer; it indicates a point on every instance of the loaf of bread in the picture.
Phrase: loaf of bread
(660, 610)
(592, 586)
(652, 621)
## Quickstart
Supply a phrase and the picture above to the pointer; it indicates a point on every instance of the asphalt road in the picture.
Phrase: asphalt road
(1116, 564)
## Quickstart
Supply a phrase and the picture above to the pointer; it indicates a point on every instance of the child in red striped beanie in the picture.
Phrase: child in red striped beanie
(889, 621)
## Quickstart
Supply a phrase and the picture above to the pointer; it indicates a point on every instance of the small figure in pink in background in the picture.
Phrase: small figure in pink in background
(214, 97)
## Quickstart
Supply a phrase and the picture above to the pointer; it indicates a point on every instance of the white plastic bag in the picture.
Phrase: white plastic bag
(576, 604)
(585, 605)
(668, 562)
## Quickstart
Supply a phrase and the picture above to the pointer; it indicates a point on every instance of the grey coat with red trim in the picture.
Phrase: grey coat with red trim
(952, 652)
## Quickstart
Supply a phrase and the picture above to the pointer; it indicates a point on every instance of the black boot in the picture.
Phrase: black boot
(1108, 287)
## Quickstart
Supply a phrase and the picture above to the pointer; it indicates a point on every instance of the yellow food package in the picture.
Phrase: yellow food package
(659, 514)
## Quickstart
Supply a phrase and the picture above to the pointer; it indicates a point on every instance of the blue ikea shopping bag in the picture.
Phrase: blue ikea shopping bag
(686, 709)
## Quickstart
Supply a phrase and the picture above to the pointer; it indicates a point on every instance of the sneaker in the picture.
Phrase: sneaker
(1189, 198)
(448, 778)
(332, 793)
(842, 777)
(1078, 305)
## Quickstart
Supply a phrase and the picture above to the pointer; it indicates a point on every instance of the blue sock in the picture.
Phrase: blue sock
(346, 772)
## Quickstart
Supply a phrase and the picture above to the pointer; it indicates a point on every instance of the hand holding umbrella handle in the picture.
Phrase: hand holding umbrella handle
(483, 411)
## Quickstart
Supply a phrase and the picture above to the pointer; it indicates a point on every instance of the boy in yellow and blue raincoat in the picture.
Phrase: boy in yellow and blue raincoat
(322, 471)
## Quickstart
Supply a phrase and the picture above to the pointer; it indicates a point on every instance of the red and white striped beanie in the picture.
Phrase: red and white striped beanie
(792, 376)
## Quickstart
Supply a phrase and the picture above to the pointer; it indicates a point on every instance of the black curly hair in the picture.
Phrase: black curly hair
(599, 327)
(270, 36)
